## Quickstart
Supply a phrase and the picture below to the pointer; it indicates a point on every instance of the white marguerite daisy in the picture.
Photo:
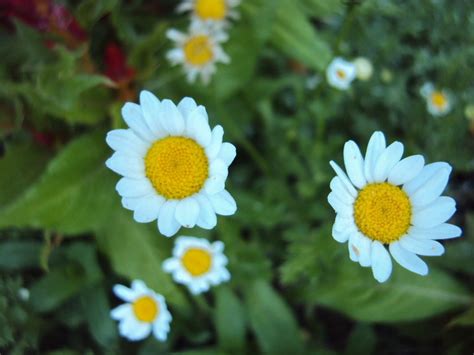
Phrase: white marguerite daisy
(174, 166)
(197, 263)
(385, 200)
(198, 51)
(143, 313)
(364, 68)
(216, 11)
(438, 102)
(340, 73)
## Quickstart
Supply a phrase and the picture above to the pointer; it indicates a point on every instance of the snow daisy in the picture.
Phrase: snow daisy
(197, 263)
(174, 167)
(438, 102)
(340, 73)
(144, 312)
(198, 51)
(215, 11)
(388, 201)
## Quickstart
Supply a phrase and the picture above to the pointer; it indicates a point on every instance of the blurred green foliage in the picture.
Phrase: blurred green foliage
(66, 238)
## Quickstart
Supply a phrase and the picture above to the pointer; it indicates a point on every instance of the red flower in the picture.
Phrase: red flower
(116, 67)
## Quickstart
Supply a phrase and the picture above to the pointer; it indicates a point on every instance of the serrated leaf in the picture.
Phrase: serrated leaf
(271, 320)
(73, 196)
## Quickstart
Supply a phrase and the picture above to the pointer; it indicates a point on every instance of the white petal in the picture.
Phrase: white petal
(426, 247)
(148, 209)
(159, 333)
(126, 142)
(167, 223)
(345, 180)
(375, 147)
(127, 187)
(213, 149)
(122, 311)
(341, 230)
(171, 264)
(139, 287)
(198, 128)
(363, 244)
(354, 164)
(407, 259)
(339, 206)
(170, 118)
(150, 108)
(186, 106)
(175, 35)
(406, 170)
(428, 171)
(431, 189)
(354, 252)
(187, 212)
(207, 217)
(214, 184)
(126, 166)
(131, 203)
(442, 231)
(340, 190)
(438, 212)
(223, 203)
(381, 262)
(132, 114)
(218, 167)
(139, 331)
(227, 153)
(124, 293)
(387, 160)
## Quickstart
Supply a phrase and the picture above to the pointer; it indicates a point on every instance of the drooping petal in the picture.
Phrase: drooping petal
(167, 223)
(381, 262)
(426, 247)
(407, 259)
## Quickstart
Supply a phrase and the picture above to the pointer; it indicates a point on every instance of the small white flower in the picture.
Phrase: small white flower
(438, 102)
(340, 73)
(197, 263)
(145, 312)
(386, 200)
(216, 11)
(174, 166)
(364, 68)
(198, 51)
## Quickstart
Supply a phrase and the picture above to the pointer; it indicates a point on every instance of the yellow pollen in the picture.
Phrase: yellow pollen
(439, 99)
(211, 9)
(341, 74)
(197, 261)
(382, 212)
(198, 50)
(177, 167)
(146, 309)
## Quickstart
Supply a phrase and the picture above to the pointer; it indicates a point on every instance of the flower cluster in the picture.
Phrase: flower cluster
(199, 49)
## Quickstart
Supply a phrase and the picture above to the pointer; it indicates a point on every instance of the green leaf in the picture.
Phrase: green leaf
(295, 35)
(21, 166)
(90, 11)
(466, 319)
(229, 320)
(74, 195)
(17, 255)
(271, 320)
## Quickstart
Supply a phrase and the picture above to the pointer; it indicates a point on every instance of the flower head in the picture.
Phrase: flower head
(438, 102)
(198, 51)
(174, 166)
(143, 313)
(364, 68)
(340, 73)
(215, 11)
(197, 263)
(388, 201)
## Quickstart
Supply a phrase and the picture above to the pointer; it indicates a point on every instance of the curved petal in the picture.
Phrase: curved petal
(126, 166)
(218, 167)
(223, 203)
(345, 180)
(375, 147)
(139, 331)
(354, 252)
(148, 209)
(354, 164)
(167, 223)
(207, 217)
(438, 212)
(132, 114)
(171, 118)
(442, 231)
(363, 244)
(151, 108)
(431, 189)
(198, 128)
(340, 207)
(408, 260)
(428, 171)
(214, 184)
(406, 169)
(387, 160)
(186, 106)
(214, 147)
(227, 153)
(340, 190)
(187, 212)
(426, 247)
(126, 142)
(341, 235)
(124, 293)
(120, 312)
(381, 262)
(128, 187)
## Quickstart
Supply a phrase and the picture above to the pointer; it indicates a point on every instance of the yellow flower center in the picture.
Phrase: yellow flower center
(341, 74)
(439, 99)
(177, 167)
(146, 309)
(382, 212)
(198, 50)
(211, 9)
(197, 261)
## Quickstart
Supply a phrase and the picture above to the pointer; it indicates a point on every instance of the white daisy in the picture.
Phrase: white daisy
(144, 312)
(197, 263)
(198, 51)
(438, 102)
(385, 200)
(340, 73)
(364, 68)
(216, 11)
(174, 167)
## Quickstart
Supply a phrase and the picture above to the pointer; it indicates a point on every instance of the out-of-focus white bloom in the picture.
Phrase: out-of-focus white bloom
(340, 73)
(364, 68)
(438, 102)
(215, 11)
